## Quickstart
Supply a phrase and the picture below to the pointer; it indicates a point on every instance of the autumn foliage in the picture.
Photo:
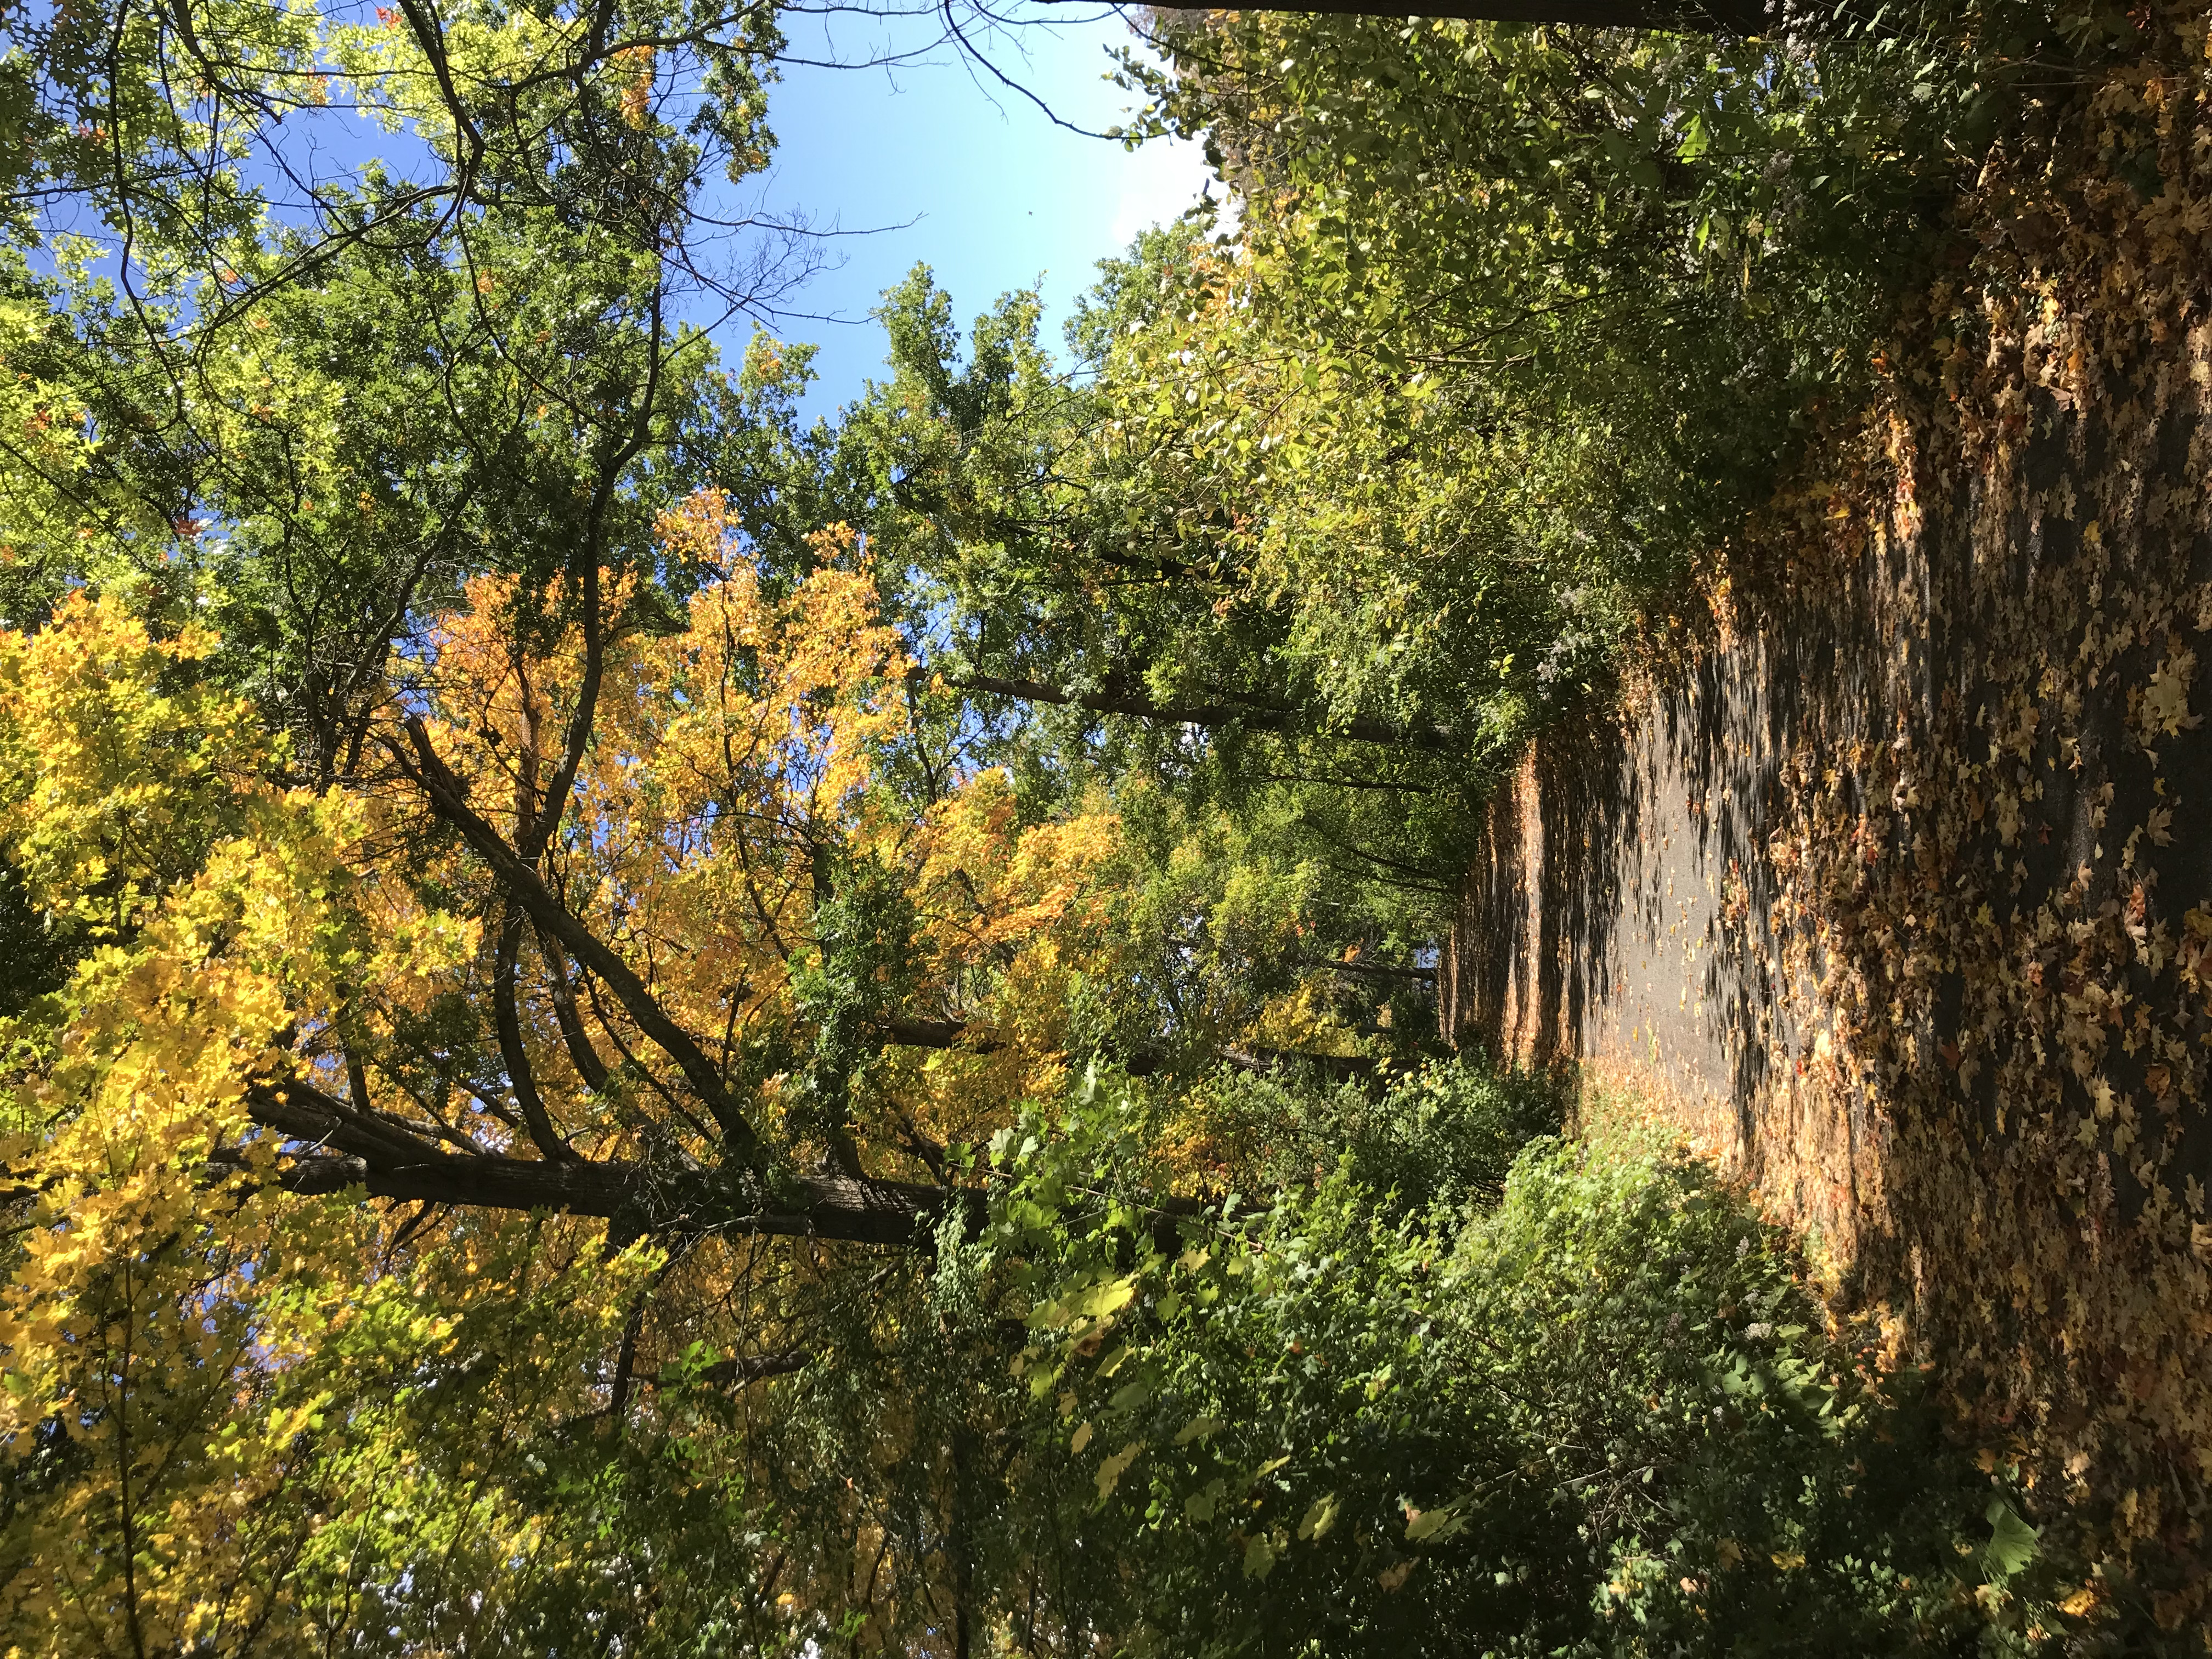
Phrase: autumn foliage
(637, 1024)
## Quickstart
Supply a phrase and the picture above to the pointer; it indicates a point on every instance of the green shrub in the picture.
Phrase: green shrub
(1444, 1134)
(1604, 1414)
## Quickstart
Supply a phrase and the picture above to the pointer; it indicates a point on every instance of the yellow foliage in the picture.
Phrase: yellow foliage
(236, 1379)
(113, 761)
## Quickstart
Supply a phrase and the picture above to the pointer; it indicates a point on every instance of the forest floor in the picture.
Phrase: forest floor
(1889, 881)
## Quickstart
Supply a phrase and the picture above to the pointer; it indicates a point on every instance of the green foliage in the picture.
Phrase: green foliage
(1516, 323)
(1513, 325)
(1441, 1136)
(1602, 1416)
(310, 423)
(864, 927)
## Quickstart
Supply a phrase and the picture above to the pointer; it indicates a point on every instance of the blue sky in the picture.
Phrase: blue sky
(938, 160)
(980, 183)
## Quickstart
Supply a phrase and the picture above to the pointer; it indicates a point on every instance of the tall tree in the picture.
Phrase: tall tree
(585, 1085)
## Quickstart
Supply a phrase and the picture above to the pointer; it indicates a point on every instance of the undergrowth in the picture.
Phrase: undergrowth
(1594, 1408)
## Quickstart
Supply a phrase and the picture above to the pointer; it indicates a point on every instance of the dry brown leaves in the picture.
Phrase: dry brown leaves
(1991, 855)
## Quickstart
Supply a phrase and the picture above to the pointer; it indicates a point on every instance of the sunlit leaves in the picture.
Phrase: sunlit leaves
(1528, 1412)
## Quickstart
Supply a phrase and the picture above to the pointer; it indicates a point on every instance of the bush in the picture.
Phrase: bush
(1603, 1415)
(1444, 1134)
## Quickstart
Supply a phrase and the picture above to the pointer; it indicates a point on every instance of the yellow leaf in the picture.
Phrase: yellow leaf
(1320, 1516)
(1111, 1471)
(1439, 1523)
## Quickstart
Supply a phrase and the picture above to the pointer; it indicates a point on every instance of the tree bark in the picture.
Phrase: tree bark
(388, 1162)
(369, 1153)
(896, 1213)
(1250, 1057)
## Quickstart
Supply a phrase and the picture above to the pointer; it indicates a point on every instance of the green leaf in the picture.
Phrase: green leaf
(1130, 1395)
(2012, 1542)
(1091, 1302)
(1321, 1515)
(1439, 1523)
(1199, 1505)
(1259, 1558)
(1103, 1299)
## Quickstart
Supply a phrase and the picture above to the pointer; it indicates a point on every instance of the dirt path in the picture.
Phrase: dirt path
(1899, 897)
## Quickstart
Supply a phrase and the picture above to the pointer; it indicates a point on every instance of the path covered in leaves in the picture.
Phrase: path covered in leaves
(1894, 882)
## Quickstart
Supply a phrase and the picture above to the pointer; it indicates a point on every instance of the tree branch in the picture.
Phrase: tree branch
(753, 1368)
(1379, 970)
(519, 1077)
(1232, 710)
(934, 1034)
(585, 1058)
(894, 1213)
(449, 800)
(1250, 1057)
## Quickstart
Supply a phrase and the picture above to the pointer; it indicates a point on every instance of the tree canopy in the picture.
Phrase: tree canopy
(639, 1026)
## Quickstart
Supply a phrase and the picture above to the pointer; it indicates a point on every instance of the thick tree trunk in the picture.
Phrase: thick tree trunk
(889, 1212)
(361, 1151)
